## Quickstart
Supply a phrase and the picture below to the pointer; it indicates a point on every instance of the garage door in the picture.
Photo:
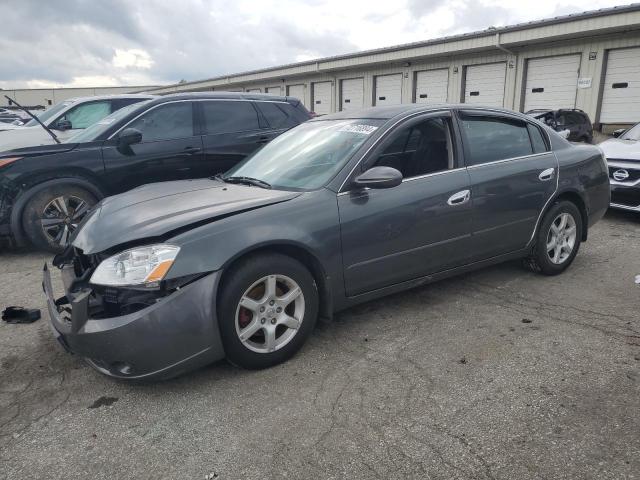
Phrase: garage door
(321, 94)
(388, 89)
(484, 84)
(621, 91)
(352, 94)
(432, 86)
(253, 90)
(296, 91)
(272, 90)
(552, 82)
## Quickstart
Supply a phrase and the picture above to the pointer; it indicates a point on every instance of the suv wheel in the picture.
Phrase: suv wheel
(268, 307)
(557, 240)
(51, 215)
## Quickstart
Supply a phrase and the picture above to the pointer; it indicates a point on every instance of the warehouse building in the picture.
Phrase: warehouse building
(45, 97)
(589, 61)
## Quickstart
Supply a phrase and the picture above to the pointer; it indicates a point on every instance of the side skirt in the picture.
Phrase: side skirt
(417, 282)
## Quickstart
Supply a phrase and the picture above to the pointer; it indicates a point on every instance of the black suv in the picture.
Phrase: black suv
(45, 191)
(572, 119)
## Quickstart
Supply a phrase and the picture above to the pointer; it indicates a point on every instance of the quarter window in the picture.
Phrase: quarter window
(229, 117)
(537, 140)
(419, 149)
(491, 139)
(166, 122)
(278, 115)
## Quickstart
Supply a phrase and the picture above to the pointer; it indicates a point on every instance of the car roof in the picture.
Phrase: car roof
(389, 112)
(264, 97)
(142, 96)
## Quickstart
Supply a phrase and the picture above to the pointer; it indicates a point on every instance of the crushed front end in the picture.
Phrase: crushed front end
(134, 333)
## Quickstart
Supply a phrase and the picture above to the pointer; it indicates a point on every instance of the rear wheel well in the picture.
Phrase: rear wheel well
(303, 256)
(576, 199)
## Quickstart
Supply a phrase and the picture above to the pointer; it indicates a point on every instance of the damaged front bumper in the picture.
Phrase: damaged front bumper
(177, 333)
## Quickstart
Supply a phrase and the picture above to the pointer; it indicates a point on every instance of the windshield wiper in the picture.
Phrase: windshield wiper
(248, 180)
(11, 100)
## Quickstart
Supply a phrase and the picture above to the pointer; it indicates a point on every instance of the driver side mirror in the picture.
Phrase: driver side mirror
(63, 125)
(617, 133)
(379, 177)
(129, 136)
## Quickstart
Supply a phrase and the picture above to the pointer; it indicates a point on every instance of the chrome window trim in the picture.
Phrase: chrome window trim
(512, 159)
(191, 100)
(383, 136)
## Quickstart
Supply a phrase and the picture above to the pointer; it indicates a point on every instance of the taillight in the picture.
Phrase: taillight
(6, 161)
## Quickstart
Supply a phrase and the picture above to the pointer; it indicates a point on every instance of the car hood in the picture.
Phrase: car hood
(24, 137)
(616, 148)
(156, 209)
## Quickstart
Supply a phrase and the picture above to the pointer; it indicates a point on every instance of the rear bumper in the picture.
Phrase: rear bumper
(177, 334)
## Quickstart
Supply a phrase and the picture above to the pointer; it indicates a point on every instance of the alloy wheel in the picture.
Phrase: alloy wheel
(561, 238)
(61, 217)
(269, 313)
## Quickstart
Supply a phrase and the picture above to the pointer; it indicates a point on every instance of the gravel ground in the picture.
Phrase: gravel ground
(498, 374)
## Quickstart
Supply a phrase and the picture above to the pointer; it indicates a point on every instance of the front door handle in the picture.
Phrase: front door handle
(547, 174)
(191, 150)
(459, 198)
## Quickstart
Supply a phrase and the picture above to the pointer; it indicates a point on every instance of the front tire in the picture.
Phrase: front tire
(51, 215)
(557, 240)
(267, 308)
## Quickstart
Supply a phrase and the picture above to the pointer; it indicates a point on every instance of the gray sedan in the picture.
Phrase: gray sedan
(337, 211)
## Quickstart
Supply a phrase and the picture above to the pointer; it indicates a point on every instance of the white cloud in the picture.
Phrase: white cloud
(133, 57)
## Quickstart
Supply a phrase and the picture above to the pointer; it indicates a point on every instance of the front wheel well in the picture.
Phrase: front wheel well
(303, 256)
(577, 200)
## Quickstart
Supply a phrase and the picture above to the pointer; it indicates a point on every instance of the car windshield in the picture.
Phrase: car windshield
(307, 156)
(48, 114)
(94, 131)
(632, 133)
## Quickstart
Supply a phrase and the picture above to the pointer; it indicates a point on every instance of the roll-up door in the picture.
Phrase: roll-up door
(352, 94)
(388, 89)
(321, 98)
(552, 82)
(296, 91)
(432, 86)
(484, 84)
(621, 90)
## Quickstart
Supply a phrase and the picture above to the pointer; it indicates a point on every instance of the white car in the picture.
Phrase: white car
(64, 119)
(623, 157)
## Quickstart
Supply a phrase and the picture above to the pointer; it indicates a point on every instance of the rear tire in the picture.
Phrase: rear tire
(51, 215)
(557, 240)
(267, 308)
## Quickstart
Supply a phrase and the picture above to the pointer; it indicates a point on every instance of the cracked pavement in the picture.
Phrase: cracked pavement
(497, 374)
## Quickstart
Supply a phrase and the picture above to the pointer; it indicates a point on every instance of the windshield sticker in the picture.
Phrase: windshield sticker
(362, 129)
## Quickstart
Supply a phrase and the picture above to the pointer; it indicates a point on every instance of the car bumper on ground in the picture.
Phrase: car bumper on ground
(176, 334)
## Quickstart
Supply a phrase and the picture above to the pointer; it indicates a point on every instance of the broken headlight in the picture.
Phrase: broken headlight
(140, 266)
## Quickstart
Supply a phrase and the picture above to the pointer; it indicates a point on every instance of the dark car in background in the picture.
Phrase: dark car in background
(574, 120)
(46, 191)
(341, 209)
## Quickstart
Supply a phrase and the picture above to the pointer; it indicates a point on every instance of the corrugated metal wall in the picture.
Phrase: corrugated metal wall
(51, 96)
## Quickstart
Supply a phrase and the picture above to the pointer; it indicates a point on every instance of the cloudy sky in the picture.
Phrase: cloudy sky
(146, 42)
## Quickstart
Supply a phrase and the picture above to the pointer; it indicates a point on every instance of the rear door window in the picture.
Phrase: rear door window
(537, 139)
(278, 115)
(229, 117)
(488, 139)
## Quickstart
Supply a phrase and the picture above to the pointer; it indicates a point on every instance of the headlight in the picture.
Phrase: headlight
(138, 266)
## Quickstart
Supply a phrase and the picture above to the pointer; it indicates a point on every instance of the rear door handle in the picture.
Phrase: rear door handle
(547, 174)
(191, 150)
(459, 198)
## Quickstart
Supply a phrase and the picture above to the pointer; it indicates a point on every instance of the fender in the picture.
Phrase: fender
(24, 197)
